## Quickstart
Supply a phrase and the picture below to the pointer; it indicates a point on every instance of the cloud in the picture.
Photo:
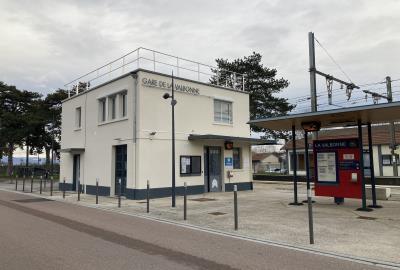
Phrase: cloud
(47, 43)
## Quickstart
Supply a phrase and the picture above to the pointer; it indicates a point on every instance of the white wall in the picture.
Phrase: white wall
(97, 138)
(194, 114)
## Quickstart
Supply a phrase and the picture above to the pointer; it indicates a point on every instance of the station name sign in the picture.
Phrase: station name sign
(167, 85)
(336, 143)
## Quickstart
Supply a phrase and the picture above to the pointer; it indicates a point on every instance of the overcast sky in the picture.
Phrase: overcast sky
(44, 44)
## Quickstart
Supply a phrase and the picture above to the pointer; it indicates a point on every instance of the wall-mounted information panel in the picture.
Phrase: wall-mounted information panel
(337, 168)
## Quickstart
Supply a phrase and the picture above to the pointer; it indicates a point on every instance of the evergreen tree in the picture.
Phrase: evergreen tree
(16, 108)
(262, 85)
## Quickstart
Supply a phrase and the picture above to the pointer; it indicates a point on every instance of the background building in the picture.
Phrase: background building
(381, 138)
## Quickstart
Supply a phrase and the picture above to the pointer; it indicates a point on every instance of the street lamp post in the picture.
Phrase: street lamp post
(173, 103)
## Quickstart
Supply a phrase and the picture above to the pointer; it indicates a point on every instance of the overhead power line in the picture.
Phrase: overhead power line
(333, 60)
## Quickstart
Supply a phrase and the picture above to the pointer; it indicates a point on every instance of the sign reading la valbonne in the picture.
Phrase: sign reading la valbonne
(167, 85)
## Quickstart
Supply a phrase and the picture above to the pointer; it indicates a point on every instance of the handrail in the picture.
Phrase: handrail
(230, 76)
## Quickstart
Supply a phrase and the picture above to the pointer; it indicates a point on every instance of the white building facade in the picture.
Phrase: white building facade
(120, 130)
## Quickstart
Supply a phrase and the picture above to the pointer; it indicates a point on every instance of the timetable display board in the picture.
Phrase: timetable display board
(326, 170)
(337, 168)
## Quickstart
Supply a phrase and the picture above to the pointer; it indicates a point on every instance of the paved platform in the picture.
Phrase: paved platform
(265, 214)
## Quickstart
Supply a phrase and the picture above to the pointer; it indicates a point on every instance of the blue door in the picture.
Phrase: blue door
(120, 168)
(212, 169)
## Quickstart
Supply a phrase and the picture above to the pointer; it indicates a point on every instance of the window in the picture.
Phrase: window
(123, 104)
(78, 117)
(102, 110)
(300, 162)
(190, 165)
(387, 160)
(112, 107)
(222, 111)
(237, 162)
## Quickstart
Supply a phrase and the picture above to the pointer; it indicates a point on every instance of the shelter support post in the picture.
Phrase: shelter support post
(371, 165)
(307, 159)
(360, 145)
(294, 166)
(309, 197)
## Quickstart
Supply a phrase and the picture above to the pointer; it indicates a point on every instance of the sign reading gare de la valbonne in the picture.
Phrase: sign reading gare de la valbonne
(167, 85)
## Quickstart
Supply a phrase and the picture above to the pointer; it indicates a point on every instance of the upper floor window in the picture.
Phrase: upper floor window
(222, 111)
(112, 107)
(102, 110)
(123, 104)
(78, 117)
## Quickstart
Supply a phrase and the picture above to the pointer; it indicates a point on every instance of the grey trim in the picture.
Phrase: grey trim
(240, 186)
(140, 194)
(100, 85)
(193, 137)
(192, 81)
(327, 112)
(72, 150)
(134, 74)
(380, 160)
(103, 191)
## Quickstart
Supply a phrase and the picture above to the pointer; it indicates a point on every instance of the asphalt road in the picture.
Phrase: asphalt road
(42, 234)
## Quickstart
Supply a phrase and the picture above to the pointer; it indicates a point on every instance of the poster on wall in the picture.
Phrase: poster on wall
(326, 168)
(185, 165)
(229, 162)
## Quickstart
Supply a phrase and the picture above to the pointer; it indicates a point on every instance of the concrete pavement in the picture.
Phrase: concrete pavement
(41, 234)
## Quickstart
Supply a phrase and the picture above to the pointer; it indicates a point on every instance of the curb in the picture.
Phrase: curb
(362, 260)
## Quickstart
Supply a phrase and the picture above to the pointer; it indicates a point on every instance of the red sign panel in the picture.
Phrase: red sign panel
(337, 168)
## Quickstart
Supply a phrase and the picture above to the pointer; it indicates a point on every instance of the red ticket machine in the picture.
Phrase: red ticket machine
(337, 168)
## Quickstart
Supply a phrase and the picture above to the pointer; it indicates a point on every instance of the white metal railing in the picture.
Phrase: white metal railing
(147, 59)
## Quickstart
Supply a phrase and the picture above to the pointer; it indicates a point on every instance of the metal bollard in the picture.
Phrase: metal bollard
(44, 185)
(16, 182)
(97, 190)
(51, 186)
(235, 206)
(148, 196)
(79, 191)
(41, 182)
(63, 188)
(119, 193)
(185, 201)
(23, 184)
(310, 216)
(32, 183)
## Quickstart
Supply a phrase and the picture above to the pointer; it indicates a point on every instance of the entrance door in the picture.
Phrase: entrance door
(120, 168)
(212, 171)
(76, 172)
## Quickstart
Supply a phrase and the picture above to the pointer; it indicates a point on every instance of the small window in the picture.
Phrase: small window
(112, 107)
(386, 160)
(123, 104)
(102, 110)
(237, 162)
(222, 111)
(190, 165)
(78, 117)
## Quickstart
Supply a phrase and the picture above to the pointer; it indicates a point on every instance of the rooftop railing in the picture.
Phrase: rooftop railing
(152, 60)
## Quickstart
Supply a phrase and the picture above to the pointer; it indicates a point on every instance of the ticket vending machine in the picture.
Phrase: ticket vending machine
(337, 171)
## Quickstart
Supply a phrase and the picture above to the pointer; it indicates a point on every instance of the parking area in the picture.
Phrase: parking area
(264, 214)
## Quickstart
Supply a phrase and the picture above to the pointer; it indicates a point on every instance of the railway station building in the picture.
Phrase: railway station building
(119, 129)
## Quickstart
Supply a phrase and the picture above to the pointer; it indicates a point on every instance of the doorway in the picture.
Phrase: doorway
(120, 168)
(212, 169)
(76, 174)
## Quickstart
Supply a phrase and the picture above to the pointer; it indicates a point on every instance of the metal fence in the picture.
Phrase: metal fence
(152, 60)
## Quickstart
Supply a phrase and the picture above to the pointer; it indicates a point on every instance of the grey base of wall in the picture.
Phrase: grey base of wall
(141, 194)
(240, 186)
(68, 187)
(392, 181)
(103, 191)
